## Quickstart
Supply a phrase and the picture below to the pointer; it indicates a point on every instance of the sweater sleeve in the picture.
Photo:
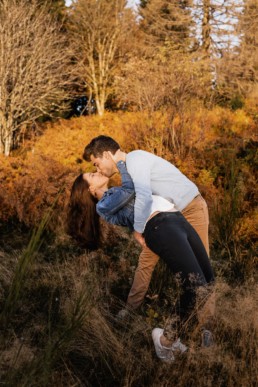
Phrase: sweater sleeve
(140, 171)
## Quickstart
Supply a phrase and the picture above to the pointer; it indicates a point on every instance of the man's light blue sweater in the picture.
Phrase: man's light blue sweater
(153, 175)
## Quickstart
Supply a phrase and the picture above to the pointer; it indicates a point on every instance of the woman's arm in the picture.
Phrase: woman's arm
(117, 197)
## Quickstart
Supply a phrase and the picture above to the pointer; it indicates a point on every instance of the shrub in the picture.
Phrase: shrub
(201, 142)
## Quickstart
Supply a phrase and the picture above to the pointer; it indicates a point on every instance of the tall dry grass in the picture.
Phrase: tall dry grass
(64, 331)
(58, 324)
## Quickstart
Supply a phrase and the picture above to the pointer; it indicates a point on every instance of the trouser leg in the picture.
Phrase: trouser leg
(146, 264)
(196, 213)
(168, 237)
(206, 297)
(200, 253)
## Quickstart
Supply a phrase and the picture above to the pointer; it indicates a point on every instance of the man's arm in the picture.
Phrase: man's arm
(141, 175)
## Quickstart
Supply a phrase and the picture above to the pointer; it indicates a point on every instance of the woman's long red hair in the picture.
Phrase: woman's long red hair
(83, 220)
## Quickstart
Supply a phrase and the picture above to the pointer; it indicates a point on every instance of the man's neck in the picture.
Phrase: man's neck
(123, 154)
(120, 156)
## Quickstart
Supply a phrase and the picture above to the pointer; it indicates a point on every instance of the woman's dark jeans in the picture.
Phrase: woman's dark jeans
(171, 237)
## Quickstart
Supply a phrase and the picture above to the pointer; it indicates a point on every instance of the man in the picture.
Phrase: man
(151, 175)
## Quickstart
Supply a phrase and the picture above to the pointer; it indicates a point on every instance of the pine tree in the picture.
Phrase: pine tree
(56, 7)
(166, 23)
(238, 66)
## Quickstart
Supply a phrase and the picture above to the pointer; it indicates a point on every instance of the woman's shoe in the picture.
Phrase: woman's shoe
(207, 338)
(179, 347)
(164, 353)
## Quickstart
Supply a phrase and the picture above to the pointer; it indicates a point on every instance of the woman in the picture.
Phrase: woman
(167, 233)
(91, 198)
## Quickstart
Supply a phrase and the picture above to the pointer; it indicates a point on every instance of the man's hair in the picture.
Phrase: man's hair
(99, 145)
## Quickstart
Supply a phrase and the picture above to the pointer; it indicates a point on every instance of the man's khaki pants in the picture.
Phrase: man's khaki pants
(197, 215)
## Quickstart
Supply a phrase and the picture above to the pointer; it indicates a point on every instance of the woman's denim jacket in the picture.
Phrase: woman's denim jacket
(117, 204)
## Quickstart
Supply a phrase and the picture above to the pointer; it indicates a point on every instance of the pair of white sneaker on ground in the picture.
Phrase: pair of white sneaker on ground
(166, 354)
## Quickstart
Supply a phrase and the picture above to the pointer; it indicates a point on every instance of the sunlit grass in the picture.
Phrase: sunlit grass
(68, 334)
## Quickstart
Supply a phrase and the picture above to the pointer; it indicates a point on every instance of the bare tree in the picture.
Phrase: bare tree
(98, 29)
(34, 68)
(152, 85)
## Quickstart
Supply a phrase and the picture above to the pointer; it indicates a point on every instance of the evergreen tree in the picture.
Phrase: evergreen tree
(238, 66)
(143, 3)
(56, 7)
(166, 23)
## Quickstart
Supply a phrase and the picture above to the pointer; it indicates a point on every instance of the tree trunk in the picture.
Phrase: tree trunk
(101, 111)
(6, 135)
(100, 107)
(8, 143)
(5, 143)
(1, 131)
(1, 147)
(206, 28)
(100, 103)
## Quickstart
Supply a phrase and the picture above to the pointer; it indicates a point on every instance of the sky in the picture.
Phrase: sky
(131, 3)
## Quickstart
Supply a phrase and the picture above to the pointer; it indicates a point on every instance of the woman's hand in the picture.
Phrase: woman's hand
(118, 156)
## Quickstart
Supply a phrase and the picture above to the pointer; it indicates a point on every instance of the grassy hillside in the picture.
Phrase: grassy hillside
(59, 302)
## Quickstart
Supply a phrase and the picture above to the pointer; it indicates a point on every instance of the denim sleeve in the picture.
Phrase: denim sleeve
(141, 175)
(116, 198)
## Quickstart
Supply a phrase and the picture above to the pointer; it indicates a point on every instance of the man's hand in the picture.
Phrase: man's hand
(139, 238)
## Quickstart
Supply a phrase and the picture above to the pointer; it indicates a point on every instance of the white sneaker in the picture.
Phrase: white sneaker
(164, 353)
(122, 314)
(207, 338)
(179, 347)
